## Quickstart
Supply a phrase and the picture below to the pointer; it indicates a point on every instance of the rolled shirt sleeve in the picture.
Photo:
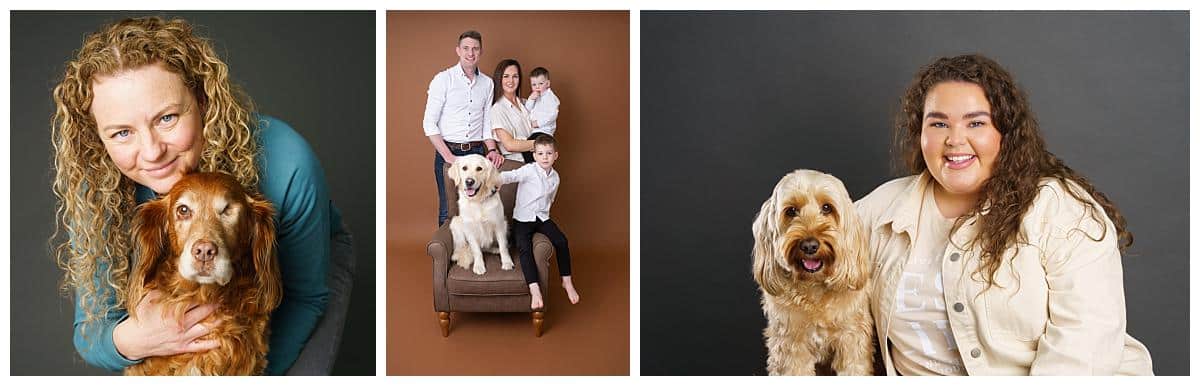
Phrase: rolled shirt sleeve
(434, 104)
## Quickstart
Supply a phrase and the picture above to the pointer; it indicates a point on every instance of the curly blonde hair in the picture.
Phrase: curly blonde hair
(91, 242)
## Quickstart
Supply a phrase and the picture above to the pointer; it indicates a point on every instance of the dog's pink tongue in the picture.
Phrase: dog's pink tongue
(811, 264)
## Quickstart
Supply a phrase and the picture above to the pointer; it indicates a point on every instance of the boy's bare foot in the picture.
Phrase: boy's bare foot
(535, 294)
(571, 293)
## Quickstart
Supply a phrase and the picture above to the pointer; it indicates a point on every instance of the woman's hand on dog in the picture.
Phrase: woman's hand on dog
(158, 333)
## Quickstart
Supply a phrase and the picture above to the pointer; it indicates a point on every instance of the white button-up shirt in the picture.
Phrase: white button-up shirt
(535, 192)
(513, 118)
(544, 110)
(457, 107)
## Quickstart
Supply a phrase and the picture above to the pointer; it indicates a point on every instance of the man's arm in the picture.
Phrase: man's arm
(440, 145)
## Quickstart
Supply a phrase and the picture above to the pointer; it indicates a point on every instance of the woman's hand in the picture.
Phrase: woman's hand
(495, 157)
(154, 333)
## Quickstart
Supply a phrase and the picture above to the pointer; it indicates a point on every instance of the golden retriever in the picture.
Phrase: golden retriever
(480, 224)
(208, 241)
(810, 259)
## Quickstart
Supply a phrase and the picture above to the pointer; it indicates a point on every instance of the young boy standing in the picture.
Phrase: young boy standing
(542, 103)
(538, 184)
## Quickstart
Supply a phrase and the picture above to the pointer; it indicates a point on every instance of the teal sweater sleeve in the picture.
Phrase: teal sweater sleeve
(94, 342)
(291, 177)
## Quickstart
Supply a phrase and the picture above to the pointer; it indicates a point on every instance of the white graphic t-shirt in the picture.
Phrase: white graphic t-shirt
(920, 330)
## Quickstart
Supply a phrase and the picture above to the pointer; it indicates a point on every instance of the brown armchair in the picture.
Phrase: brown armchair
(458, 290)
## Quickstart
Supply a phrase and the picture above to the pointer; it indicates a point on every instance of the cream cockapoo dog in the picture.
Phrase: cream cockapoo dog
(810, 259)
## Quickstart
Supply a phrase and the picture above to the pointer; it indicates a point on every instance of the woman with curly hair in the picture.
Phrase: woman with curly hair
(994, 258)
(143, 102)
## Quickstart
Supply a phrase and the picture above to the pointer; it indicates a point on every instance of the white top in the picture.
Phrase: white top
(514, 119)
(921, 333)
(457, 106)
(534, 194)
(544, 110)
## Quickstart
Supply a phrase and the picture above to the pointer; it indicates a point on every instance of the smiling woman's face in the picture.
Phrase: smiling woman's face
(510, 80)
(150, 124)
(958, 140)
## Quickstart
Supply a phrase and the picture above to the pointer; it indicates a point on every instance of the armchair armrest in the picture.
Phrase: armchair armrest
(440, 247)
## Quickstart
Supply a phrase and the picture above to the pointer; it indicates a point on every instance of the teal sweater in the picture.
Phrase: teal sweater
(291, 177)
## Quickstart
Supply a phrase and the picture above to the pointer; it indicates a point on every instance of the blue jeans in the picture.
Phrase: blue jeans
(438, 174)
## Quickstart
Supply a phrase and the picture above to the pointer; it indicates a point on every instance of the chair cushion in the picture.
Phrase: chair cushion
(495, 282)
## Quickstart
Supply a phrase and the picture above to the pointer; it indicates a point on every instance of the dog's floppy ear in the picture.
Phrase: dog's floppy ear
(493, 177)
(268, 286)
(150, 238)
(767, 272)
(853, 266)
(452, 172)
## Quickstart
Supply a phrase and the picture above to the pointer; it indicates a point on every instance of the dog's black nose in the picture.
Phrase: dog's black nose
(470, 181)
(810, 246)
(204, 250)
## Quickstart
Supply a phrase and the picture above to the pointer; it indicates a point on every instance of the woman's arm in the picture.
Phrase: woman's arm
(94, 341)
(292, 178)
(511, 144)
(1085, 332)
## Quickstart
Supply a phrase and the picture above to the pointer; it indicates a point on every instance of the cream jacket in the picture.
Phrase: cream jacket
(1058, 308)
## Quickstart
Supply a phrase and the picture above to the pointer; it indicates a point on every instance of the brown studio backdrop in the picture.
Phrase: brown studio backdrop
(587, 54)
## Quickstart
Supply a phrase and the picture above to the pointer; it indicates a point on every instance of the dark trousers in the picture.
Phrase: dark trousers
(523, 235)
(439, 175)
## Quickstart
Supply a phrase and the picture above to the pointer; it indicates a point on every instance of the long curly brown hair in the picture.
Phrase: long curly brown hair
(95, 201)
(1022, 163)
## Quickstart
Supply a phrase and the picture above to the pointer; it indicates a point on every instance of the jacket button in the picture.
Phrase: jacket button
(954, 256)
(975, 353)
(958, 307)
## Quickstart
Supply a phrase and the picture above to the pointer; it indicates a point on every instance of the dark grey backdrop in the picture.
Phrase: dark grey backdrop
(733, 101)
(315, 71)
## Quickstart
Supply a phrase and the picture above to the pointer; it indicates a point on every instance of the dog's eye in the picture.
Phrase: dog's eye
(477, 168)
(184, 212)
(790, 212)
(826, 209)
(464, 168)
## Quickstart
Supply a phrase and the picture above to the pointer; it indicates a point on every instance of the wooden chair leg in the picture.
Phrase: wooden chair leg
(538, 320)
(444, 322)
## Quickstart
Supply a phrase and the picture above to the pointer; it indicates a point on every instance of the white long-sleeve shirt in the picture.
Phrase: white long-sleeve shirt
(535, 192)
(457, 107)
(544, 111)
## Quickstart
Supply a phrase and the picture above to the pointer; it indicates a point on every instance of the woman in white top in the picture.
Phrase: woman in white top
(511, 123)
(994, 258)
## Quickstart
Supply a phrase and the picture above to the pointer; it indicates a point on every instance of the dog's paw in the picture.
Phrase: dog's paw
(506, 265)
(479, 269)
(465, 263)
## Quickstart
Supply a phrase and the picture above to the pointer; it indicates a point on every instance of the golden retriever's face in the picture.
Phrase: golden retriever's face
(474, 176)
(808, 230)
(206, 228)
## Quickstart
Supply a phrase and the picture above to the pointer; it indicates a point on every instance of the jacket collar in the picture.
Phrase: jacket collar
(905, 210)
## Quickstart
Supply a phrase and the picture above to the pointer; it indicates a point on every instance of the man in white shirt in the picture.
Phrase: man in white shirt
(455, 113)
(542, 103)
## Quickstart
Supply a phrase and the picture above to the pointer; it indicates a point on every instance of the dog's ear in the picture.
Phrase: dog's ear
(268, 286)
(493, 177)
(853, 265)
(150, 238)
(452, 173)
(767, 272)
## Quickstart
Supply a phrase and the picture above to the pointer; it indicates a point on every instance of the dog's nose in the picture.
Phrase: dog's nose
(470, 181)
(810, 246)
(204, 250)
